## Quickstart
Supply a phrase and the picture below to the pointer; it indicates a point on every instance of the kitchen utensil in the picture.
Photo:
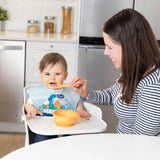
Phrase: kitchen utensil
(65, 85)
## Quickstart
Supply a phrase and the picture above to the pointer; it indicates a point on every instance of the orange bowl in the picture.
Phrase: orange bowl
(65, 118)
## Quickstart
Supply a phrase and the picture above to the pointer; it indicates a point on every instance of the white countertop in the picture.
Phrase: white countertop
(20, 35)
(92, 147)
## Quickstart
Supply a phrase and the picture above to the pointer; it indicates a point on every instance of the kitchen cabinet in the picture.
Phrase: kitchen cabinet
(36, 50)
(151, 10)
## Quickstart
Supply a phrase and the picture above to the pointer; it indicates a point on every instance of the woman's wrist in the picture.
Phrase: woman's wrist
(87, 96)
(84, 98)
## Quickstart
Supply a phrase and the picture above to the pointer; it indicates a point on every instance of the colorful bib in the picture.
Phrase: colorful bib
(47, 100)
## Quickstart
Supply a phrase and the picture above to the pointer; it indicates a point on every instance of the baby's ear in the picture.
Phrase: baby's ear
(66, 74)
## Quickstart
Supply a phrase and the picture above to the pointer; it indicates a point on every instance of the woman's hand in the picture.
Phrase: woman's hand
(31, 111)
(82, 89)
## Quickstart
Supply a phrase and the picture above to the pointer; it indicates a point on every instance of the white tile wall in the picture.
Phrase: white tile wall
(22, 10)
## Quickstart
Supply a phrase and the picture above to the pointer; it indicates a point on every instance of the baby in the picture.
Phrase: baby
(45, 98)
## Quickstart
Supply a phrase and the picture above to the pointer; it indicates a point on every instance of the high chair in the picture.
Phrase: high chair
(29, 139)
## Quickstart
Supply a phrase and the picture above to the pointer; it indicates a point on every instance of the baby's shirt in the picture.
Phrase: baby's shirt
(47, 100)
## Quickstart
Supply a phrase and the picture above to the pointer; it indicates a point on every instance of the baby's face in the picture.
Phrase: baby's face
(53, 75)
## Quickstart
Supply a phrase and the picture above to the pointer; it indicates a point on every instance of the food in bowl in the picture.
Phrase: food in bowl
(65, 118)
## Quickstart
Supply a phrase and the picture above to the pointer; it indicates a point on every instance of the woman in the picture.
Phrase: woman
(132, 46)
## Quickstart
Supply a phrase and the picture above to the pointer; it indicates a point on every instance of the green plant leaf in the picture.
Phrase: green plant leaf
(3, 14)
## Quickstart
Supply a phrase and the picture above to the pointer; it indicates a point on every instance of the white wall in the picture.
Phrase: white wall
(22, 10)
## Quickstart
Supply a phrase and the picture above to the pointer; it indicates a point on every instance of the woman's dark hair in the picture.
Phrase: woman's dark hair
(140, 52)
(52, 58)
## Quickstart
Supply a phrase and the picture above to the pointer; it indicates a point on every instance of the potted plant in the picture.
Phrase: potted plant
(3, 16)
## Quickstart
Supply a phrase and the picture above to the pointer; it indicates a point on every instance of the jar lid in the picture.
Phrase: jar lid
(66, 7)
(32, 21)
(49, 17)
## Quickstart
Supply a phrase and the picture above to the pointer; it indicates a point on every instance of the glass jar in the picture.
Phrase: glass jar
(32, 26)
(66, 26)
(49, 24)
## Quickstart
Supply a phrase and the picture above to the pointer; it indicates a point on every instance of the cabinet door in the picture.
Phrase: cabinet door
(94, 13)
(151, 11)
(36, 50)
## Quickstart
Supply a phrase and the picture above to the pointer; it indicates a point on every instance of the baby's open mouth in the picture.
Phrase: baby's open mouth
(52, 83)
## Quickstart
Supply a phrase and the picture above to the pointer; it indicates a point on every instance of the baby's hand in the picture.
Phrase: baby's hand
(84, 114)
(31, 111)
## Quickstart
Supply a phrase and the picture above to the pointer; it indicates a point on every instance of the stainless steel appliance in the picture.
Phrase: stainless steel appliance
(151, 12)
(92, 64)
(12, 57)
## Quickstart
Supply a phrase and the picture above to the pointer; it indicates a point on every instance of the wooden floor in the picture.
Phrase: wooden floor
(10, 142)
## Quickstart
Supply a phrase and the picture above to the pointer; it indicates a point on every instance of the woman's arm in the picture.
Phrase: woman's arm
(106, 96)
(148, 114)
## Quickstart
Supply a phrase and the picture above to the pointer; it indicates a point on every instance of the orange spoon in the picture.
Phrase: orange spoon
(65, 85)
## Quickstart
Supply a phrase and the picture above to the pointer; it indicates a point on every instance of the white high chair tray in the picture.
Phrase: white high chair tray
(46, 126)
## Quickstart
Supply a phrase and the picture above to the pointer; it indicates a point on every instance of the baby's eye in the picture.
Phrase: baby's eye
(47, 74)
(57, 74)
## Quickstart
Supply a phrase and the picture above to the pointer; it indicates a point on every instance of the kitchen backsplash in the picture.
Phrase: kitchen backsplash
(22, 10)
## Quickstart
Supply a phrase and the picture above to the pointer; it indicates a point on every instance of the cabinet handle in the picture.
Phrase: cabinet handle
(51, 46)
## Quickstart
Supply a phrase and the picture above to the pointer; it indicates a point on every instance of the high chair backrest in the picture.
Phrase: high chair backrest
(29, 137)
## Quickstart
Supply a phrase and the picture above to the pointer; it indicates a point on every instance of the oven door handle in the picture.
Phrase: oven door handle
(10, 47)
(92, 46)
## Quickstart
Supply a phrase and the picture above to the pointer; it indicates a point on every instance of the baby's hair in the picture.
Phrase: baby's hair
(52, 58)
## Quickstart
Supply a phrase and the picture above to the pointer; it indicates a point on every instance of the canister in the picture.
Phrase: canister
(49, 24)
(32, 26)
(66, 26)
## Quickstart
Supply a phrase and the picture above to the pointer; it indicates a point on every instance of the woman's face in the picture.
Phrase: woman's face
(113, 50)
(53, 75)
